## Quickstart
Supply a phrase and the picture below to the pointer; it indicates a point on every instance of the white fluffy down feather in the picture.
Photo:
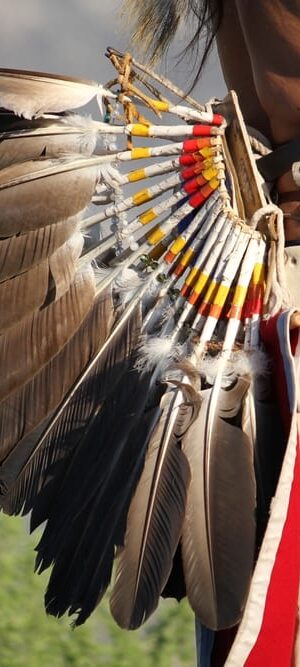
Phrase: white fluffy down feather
(240, 363)
(157, 353)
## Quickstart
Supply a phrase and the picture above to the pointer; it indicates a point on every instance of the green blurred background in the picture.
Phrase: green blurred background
(29, 638)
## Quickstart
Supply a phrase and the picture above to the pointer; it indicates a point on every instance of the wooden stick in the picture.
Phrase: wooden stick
(159, 78)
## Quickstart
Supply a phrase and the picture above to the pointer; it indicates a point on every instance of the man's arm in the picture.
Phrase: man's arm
(272, 29)
(237, 70)
(259, 47)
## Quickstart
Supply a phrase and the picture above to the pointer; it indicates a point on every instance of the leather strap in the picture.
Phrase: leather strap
(279, 161)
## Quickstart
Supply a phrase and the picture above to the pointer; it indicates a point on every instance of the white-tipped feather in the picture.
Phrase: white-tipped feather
(31, 94)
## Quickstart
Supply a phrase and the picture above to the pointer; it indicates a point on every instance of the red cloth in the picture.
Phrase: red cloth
(268, 630)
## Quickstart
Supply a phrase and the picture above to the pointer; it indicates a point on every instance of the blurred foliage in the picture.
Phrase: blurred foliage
(29, 638)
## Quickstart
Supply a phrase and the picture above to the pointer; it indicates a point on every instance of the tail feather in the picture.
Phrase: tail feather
(220, 508)
(155, 516)
(29, 468)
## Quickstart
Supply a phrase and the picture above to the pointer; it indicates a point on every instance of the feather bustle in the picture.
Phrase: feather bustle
(77, 415)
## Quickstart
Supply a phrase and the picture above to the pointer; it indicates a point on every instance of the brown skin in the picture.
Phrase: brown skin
(295, 320)
(259, 49)
(237, 70)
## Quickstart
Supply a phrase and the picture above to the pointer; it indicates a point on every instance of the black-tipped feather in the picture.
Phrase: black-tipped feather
(94, 520)
(155, 516)
(75, 416)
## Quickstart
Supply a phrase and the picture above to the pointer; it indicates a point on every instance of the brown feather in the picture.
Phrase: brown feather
(62, 265)
(36, 400)
(29, 345)
(104, 470)
(155, 516)
(51, 141)
(43, 192)
(218, 538)
(19, 253)
(22, 295)
(31, 94)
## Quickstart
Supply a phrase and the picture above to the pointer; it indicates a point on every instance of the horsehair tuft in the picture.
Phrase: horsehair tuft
(155, 23)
